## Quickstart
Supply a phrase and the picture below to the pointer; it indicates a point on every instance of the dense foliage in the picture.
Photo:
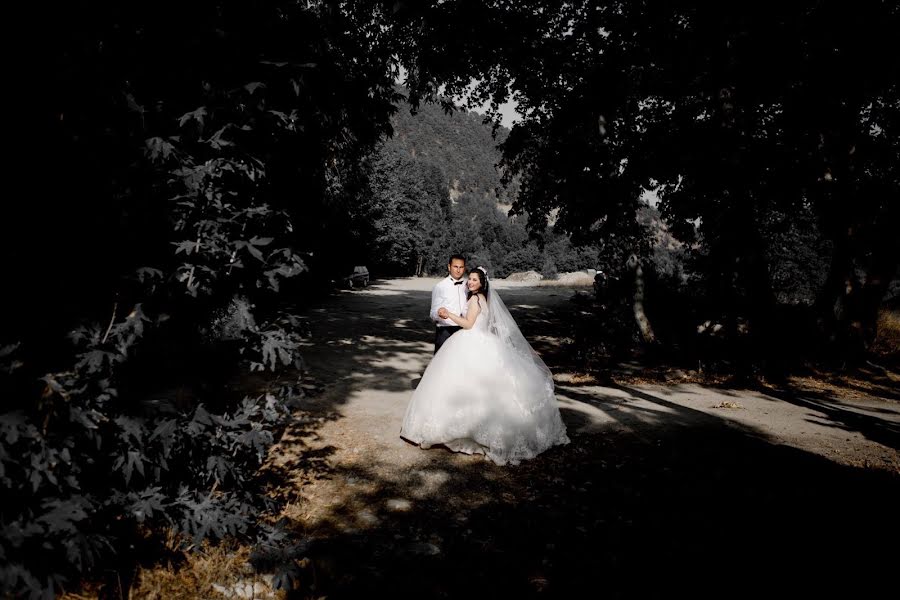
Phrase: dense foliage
(186, 166)
(201, 159)
(436, 189)
(746, 116)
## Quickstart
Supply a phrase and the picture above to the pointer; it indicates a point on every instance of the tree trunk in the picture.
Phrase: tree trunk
(640, 315)
(878, 279)
(832, 300)
(851, 303)
(419, 265)
(763, 339)
(852, 294)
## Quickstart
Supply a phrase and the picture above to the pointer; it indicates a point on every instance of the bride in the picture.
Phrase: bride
(486, 391)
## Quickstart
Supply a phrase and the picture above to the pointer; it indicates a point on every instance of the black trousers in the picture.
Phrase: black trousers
(442, 334)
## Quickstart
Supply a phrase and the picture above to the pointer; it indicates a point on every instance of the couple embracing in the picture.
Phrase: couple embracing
(486, 391)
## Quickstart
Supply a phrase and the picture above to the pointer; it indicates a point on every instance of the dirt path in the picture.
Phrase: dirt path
(677, 474)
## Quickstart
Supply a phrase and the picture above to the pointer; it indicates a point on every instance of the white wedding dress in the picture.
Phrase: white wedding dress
(486, 392)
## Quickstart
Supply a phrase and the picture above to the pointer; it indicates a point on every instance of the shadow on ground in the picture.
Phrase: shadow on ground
(883, 431)
(613, 516)
(702, 507)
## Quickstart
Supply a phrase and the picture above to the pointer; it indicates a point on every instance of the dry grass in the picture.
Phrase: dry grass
(198, 577)
(867, 382)
(727, 404)
(577, 379)
(194, 579)
(887, 341)
(578, 278)
(574, 279)
(202, 573)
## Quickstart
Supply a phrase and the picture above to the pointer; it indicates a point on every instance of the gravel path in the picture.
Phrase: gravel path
(678, 473)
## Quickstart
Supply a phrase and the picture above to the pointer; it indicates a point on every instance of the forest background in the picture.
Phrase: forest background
(192, 175)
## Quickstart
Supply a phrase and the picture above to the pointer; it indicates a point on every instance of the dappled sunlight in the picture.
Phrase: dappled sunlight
(590, 416)
(405, 323)
(695, 211)
(675, 476)
(629, 408)
(398, 286)
(375, 291)
(653, 410)
(670, 498)
(365, 491)
(546, 340)
(873, 419)
(384, 343)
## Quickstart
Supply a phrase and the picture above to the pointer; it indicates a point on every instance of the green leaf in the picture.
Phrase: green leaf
(133, 105)
(11, 424)
(157, 149)
(202, 416)
(219, 466)
(89, 418)
(256, 253)
(253, 86)
(218, 142)
(151, 501)
(63, 515)
(164, 429)
(198, 115)
(93, 360)
(186, 246)
(131, 429)
(35, 479)
(145, 273)
(131, 461)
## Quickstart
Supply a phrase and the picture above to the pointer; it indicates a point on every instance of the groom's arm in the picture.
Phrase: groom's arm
(435, 304)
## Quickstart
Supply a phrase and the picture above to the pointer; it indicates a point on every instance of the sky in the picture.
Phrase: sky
(507, 109)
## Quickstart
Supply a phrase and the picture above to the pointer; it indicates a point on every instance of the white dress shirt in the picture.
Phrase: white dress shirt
(452, 297)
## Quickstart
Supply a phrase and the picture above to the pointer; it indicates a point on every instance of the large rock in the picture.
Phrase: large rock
(576, 278)
(525, 276)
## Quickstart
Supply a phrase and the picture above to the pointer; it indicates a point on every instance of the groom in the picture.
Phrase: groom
(449, 296)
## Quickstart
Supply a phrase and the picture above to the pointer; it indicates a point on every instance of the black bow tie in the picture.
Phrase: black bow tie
(457, 283)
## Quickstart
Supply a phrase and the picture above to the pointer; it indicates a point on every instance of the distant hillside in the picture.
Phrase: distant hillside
(435, 189)
(458, 143)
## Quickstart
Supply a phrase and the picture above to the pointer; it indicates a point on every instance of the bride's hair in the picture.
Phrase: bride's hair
(482, 277)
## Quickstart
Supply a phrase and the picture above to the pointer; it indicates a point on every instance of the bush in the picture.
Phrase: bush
(887, 342)
(87, 474)
(548, 270)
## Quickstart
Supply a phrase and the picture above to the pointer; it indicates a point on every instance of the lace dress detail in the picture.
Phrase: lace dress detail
(480, 395)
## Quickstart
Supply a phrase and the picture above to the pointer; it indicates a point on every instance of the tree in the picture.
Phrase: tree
(200, 156)
(410, 209)
(734, 111)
